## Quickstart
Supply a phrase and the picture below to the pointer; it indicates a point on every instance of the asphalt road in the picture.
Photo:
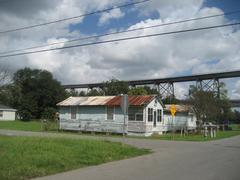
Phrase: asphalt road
(215, 160)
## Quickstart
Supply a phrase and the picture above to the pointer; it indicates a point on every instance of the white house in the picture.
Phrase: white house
(104, 114)
(7, 113)
(184, 118)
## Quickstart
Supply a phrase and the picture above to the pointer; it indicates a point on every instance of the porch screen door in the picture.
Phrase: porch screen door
(154, 119)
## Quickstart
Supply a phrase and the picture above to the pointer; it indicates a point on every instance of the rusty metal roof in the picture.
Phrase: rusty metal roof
(105, 100)
(132, 100)
(179, 108)
(85, 101)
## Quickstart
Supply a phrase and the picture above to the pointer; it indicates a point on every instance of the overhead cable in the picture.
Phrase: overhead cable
(74, 17)
(120, 32)
(122, 39)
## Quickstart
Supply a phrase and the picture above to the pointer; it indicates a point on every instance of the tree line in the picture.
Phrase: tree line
(35, 93)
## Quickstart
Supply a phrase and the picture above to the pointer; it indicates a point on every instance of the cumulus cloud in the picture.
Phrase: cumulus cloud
(113, 14)
(236, 91)
(195, 52)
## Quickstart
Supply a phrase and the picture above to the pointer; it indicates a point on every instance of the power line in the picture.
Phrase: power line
(124, 31)
(74, 17)
(122, 39)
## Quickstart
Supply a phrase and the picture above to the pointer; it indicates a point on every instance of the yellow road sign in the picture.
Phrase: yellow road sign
(173, 109)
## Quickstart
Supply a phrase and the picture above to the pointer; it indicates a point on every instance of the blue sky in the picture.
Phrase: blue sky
(90, 23)
(226, 6)
(165, 56)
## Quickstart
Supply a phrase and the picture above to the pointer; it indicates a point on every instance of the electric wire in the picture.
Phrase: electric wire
(74, 17)
(120, 32)
(123, 39)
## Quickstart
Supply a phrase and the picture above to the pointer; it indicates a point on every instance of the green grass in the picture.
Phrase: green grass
(195, 137)
(37, 126)
(28, 157)
(235, 127)
(26, 125)
(199, 137)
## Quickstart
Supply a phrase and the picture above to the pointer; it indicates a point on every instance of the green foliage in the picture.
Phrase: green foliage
(151, 91)
(208, 107)
(137, 91)
(170, 100)
(75, 93)
(8, 94)
(95, 92)
(115, 87)
(205, 105)
(234, 117)
(32, 91)
(29, 157)
(49, 113)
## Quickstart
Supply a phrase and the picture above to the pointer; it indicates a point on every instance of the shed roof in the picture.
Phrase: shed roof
(105, 100)
(179, 108)
(132, 100)
(3, 107)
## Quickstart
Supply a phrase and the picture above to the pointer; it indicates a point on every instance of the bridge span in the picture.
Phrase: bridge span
(165, 86)
(235, 102)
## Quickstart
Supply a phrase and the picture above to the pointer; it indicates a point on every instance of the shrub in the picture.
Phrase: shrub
(49, 113)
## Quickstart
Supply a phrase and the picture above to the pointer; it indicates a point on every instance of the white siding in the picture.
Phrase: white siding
(94, 118)
(150, 125)
(147, 128)
(8, 115)
(91, 118)
(181, 120)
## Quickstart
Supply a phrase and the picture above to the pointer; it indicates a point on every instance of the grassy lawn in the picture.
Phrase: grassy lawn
(195, 137)
(28, 157)
(37, 126)
(198, 137)
(26, 126)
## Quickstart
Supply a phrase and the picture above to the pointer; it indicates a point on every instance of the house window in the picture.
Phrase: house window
(191, 118)
(1, 113)
(135, 113)
(139, 117)
(73, 112)
(110, 111)
(159, 115)
(150, 114)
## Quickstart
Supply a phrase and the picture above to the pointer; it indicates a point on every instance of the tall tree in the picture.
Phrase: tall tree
(170, 100)
(151, 90)
(137, 91)
(209, 107)
(5, 77)
(75, 93)
(115, 87)
(95, 92)
(33, 91)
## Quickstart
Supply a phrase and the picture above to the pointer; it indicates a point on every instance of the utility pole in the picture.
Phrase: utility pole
(124, 106)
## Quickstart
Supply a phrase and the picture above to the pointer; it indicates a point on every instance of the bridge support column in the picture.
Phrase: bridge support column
(166, 89)
(210, 85)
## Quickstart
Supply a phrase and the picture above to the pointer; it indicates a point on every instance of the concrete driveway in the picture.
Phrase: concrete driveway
(218, 160)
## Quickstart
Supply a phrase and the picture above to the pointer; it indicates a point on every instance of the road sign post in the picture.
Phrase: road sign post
(173, 111)
(124, 106)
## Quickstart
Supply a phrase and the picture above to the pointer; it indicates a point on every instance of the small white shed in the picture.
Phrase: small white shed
(184, 118)
(104, 114)
(7, 113)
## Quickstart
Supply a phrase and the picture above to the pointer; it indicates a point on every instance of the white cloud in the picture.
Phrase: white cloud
(113, 14)
(142, 58)
(236, 91)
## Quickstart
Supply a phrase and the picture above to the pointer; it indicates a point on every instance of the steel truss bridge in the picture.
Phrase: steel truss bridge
(165, 86)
